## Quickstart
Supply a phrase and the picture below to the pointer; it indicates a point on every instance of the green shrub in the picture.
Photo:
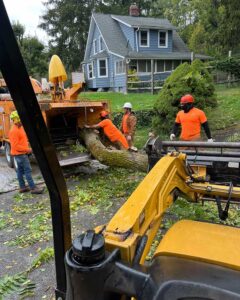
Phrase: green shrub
(186, 79)
(228, 65)
(144, 118)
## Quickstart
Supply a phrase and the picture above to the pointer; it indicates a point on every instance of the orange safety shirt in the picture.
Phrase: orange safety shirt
(111, 131)
(124, 124)
(191, 123)
(18, 141)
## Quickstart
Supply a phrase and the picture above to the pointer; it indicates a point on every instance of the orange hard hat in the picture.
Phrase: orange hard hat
(187, 99)
(103, 113)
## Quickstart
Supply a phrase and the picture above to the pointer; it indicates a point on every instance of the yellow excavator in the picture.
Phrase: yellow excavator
(194, 261)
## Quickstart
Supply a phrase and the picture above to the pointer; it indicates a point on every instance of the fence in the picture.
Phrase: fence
(143, 83)
(220, 77)
(152, 85)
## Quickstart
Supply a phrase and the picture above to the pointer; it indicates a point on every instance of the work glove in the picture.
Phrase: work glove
(172, 136)
(210, 140)
(129, 138)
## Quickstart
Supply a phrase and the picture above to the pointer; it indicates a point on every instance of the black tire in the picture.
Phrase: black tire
(9, 158)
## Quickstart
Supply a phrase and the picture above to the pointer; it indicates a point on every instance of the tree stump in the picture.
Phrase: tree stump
(113, 157)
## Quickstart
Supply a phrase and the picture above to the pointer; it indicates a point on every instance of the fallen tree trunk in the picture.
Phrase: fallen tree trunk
(112, 157)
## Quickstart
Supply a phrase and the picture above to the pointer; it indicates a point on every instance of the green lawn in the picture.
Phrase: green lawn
(226, 114)
(139, 101)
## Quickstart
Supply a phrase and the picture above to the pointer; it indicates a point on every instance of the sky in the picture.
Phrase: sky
(28, 13)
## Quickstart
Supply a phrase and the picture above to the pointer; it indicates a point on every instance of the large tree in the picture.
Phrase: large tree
(67, 23)
(33, 52)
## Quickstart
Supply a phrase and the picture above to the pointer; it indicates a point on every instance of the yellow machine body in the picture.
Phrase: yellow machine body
(141, 215)
(212, 243)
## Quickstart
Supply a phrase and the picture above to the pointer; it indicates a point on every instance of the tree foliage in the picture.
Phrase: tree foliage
(209, 26)
(19, 31)
(186, 79)
(229, 65)
(67, 23)
(33, 52)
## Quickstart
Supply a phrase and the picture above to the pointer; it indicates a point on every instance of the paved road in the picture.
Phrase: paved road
(8, 179)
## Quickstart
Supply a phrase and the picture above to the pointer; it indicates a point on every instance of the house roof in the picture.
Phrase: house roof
(112, 34)
(178, 43)
(117, 44)
(101, 54)
(144, 22)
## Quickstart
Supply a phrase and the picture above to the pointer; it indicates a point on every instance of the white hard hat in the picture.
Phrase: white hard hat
(127, 105)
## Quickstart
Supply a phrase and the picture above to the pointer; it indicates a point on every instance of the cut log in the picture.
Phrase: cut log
(112, 157)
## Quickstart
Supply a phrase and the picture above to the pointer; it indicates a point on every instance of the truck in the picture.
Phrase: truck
(64, 117)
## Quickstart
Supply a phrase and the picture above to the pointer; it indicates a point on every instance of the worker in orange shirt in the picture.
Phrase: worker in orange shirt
(20, 151)
(111, 131)
(128, 125)
(190, 119)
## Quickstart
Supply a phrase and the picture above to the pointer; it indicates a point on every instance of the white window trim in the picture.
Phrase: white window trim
(116, 68)
(94, 46)
(166, 46)
(99, 43)
(98, 67)
(148, 38)
(93, 73)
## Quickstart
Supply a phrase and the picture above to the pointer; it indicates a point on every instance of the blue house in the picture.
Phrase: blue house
(123, 50)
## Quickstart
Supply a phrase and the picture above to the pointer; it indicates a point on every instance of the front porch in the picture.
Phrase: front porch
(149, 74)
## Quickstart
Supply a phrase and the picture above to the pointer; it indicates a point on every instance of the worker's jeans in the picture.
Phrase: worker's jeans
(24, 168)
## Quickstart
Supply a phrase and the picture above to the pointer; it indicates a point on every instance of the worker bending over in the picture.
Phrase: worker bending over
(111, 131)
(20, 150)
(191, 119)
(128, 125)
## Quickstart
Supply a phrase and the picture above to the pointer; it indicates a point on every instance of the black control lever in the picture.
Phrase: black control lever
(223, 213)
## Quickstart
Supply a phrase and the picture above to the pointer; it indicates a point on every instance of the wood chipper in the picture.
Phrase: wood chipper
(194, 261)
(64, 115)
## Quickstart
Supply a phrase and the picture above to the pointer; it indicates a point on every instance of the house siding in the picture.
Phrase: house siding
(129, 35)
(153, 42)
(117, 81)
(96, 35)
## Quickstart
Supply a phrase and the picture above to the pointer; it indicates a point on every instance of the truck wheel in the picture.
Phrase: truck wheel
(8, 156)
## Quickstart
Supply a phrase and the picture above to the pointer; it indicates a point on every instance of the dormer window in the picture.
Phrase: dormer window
(162, 39)
(100, 43)
(94, 46)
(144, 38)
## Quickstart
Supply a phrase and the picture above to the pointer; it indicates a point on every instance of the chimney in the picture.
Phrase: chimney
(134, 10)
